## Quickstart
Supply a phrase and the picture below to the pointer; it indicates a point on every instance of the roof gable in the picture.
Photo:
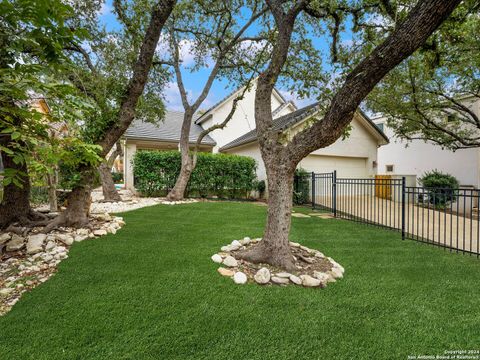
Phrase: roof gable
(295, 118)
(204, 116)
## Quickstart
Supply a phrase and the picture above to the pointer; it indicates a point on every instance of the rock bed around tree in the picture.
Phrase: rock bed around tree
(314, 269)
(30, 259)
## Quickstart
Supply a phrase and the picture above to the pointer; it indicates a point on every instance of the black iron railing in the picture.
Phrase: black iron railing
(443, 217)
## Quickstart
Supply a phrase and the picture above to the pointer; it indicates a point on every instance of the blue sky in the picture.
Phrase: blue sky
(194, 81)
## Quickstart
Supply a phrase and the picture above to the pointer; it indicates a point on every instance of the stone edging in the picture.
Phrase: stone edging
(242, 271)
(33, 259)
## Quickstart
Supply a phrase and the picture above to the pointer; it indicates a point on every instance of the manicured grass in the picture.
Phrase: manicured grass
(152, 292)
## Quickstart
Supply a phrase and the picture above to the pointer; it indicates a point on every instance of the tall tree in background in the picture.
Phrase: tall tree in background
(105, 134)
(430, 96)
(358, 78)
(32, 35)
(217, 34)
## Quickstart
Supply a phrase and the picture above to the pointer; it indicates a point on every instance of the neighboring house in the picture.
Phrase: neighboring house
(355, 156)
(401, 157)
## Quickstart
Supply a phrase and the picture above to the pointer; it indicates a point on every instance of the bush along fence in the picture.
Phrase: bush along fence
(219, 175)
(441, 216)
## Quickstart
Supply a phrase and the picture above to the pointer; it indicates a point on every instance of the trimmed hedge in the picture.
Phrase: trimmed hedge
(222, 175)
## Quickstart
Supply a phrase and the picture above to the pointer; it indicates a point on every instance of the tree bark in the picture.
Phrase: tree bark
(178, 191)
(15, 205)
(79, 199)
(274, 249)
(109, 190)
(52, 190)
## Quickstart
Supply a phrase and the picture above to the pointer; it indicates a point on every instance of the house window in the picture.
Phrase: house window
(389, 168)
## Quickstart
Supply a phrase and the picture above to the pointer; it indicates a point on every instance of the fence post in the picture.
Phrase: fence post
(403, 207)
(313, 190)
(334, 193)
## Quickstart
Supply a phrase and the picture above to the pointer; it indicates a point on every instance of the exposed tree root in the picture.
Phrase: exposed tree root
(262, 254)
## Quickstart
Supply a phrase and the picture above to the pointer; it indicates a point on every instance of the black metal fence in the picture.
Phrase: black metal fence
(443, 217)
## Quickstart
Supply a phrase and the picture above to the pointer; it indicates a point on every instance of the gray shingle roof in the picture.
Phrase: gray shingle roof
(168, 130)
(286, 121)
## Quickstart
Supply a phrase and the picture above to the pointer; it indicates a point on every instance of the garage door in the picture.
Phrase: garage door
(347, 167)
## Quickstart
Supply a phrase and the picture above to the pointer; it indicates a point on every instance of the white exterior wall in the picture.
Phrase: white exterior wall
(129, 152)
(361, 146)
(352, 157)
(242, 121)
(420, 156)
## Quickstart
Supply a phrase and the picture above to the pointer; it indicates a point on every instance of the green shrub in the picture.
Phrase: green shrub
(222, 175)
(117, 177)
(301, 188)
(261, 188)
(441, 188)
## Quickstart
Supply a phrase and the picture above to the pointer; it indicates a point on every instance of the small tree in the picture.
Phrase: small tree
(217, 32)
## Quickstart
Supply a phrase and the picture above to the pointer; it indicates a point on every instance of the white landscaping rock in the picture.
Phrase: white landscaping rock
(230, 261)
(323, 277)
(4, 238)
(283, 275)
(279, 280)
(16, 243)
(99, 232)
(6, 291)
(79, 238)
(240, 278)
(309, 281)
(50, 245)
(336, 273)
(35, 243)
(67, 239)
(217, 258)
(295, 279)
(236, 243)
(262, 276)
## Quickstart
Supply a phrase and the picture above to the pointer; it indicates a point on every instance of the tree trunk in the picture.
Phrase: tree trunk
(15, 205)
(178, 191)
(274, 249)
(188, 163)
(52, 191)
(109, 190)
(78, 204)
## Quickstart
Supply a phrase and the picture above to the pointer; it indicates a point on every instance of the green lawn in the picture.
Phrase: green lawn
(152, 292)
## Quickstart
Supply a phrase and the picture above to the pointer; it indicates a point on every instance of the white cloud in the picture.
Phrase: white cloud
(186, 50)
(105, 9)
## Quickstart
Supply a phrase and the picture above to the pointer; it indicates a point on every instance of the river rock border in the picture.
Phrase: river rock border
(314, 269)
(32, 258)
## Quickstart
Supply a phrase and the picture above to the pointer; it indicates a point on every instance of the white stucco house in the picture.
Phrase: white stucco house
(416, 157)
(356, 156)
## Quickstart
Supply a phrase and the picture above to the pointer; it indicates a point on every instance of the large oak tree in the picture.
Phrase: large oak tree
(281, 157)
(125, 110)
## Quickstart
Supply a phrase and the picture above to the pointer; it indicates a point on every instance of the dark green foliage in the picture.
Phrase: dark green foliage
(39, 195)
(301, 187)
(442, 188)
(117, 177)
(261, 186)
(222, 175)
